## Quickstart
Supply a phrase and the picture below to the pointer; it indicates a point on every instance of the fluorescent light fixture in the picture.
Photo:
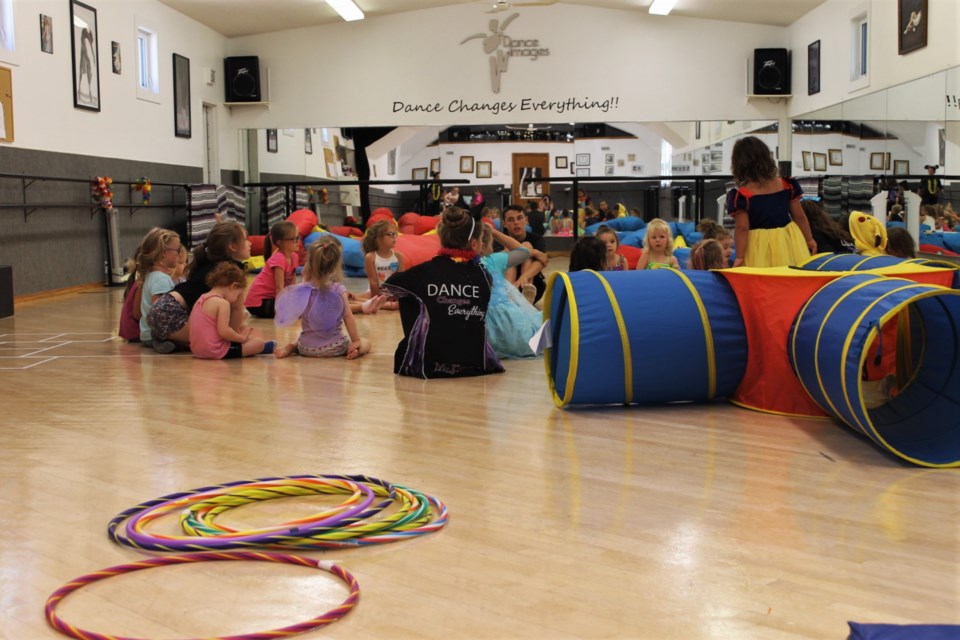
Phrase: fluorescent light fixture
(658, 7)
(347, 9)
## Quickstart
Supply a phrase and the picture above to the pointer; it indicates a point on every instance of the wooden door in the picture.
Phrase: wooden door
(6, 99)
(525, 166)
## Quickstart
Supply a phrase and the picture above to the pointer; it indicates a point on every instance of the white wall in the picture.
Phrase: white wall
(649, 69)
(125, 127)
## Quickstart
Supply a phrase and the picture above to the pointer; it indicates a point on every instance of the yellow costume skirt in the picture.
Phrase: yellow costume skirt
(783, 247)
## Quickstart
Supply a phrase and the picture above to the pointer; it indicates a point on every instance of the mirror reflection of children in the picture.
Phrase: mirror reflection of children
(320, 303)
(657, 247)
(279, 271)
(613, 260)
(211, 336)
(381, 260)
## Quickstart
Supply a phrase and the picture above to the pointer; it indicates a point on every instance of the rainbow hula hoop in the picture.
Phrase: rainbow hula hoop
(417, 514)
(315, 623)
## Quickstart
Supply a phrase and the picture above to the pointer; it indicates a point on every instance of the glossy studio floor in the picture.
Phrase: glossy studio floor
(686, 521)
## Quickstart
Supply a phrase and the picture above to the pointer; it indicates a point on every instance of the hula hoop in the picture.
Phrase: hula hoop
(417, 514)
(333, 615)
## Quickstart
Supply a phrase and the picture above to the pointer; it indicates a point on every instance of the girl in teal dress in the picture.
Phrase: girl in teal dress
(511, 319)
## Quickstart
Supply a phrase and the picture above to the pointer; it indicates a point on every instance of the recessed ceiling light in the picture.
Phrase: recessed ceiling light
(661, 7)
(347, 9)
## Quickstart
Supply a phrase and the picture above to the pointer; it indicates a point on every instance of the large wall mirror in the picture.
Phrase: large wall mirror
(891, 132)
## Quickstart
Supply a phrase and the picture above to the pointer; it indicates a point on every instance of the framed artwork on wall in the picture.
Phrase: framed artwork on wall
(608, 158)
(836, 157)
(419, 173)
(46, 34)
(608, 170)
(560, 162)
(819, 161)
(876, 161)
(183, 127)
(484, 169)
(115, 58)
(813, 68)
(807, 161)
(271, 140)
(912, 25)
(583, 172)
(435, 166)
(466, 164)
(886, 161)
(583, 159)
(901, 167)
(308, 142)
(86, 64)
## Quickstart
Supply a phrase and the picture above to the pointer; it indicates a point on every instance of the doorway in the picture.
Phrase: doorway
(211, 156)
(525, 167)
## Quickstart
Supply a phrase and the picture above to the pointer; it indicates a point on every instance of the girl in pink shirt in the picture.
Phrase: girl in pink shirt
(211, 336)
(280, 270)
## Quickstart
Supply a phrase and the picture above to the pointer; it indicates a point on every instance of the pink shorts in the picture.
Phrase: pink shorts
(332, 350)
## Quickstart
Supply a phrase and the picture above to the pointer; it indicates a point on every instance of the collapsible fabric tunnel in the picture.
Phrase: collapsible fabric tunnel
(622, 337)
(848, 262)
(914, 412)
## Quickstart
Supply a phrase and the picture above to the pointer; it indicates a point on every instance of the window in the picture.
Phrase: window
(859, 50)
(666, 162)
(148, 75)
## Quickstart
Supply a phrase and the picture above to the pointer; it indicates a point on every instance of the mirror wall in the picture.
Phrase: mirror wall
(891, 132)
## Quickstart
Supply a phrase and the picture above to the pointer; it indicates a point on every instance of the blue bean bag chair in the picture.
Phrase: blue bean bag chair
(633, 238)
(894, 224)
(627, 223)
(692, 238)
(935, 239)
(686, 229)
(352, 253)
(952, 240)
(683, 257)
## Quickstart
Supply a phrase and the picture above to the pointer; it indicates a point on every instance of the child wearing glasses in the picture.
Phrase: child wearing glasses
(279, 271)
(381, 260)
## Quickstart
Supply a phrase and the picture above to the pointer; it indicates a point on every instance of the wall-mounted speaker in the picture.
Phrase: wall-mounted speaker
(241, 79)
(771, 72)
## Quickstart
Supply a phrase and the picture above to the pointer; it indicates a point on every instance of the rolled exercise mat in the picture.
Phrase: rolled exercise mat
(622, 337)
(913, 411)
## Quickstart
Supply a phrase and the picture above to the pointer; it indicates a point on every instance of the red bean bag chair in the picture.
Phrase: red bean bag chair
(305, 220)
(380, 214)
(407, 229)
(417, 249)
(632, 254)
(256, 245)
(408, 219)
(346, 232)
(425, 223)
(932, 248)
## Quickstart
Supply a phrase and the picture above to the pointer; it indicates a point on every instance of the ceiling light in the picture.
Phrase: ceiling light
(347, 9)
(658, 7)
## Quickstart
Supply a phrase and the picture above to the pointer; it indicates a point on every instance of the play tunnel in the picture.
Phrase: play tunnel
(910, 406)
(623, 337)
(848, 262)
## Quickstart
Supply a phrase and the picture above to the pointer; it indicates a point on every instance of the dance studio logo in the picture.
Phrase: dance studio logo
(500, 47)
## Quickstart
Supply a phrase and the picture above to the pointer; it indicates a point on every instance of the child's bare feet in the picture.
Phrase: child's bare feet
(373, 304)
(392, 305)
(529, 292)
(285, 350)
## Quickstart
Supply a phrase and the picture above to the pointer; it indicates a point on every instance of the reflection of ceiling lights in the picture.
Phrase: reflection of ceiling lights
(347, 9)
(662, 7)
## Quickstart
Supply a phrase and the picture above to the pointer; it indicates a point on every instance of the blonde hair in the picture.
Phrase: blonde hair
(486, 236)
(457, 228)
(324, 261)
(152, 248)
(371, 239)
(659, 225)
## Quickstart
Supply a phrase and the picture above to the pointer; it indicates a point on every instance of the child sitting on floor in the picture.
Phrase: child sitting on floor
(279, 271)
(211, 336)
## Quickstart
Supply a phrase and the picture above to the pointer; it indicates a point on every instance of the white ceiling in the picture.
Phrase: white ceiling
(234, 18)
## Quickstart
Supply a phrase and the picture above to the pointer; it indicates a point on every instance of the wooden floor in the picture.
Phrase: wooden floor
(690, 521)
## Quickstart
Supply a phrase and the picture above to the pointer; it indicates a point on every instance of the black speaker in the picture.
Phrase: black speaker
(241, 79)
(771, 72)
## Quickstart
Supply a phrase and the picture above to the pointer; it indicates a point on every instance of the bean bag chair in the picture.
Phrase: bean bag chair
(255, 263)
(895, 224)
(352, 253)
(632, 254)
(679, 243)
(674, 229)
(951, 239)
(416, 249)
(692, 238)
(380, 214)
(406, 230)
(933, 239)
(346, 232)
(628, 223)
(408, 219)
(424, 224)
(685, 229)
(304, 219)
(682, 254)
(940, 251)
(632, 238)
(256, 245)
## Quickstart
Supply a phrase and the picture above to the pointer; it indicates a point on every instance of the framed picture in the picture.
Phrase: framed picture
(813, 68)
(807, 161)
(886, 161)
(115, 58)
(876, 161)
(608, 170)
(583, 159)
(583, 172)
(86, 64)
(272, 140)
(484, 169)
(819, 161)
(631, 157)
(608, 158)
(620, 162)
(466, 164)
(560, 162)
(435, 166)
(696, 130)
(419, 174)
(901, 167)
(46, 34)
(181, 97)
(912, 25)
(836, 157)
(308, 142)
